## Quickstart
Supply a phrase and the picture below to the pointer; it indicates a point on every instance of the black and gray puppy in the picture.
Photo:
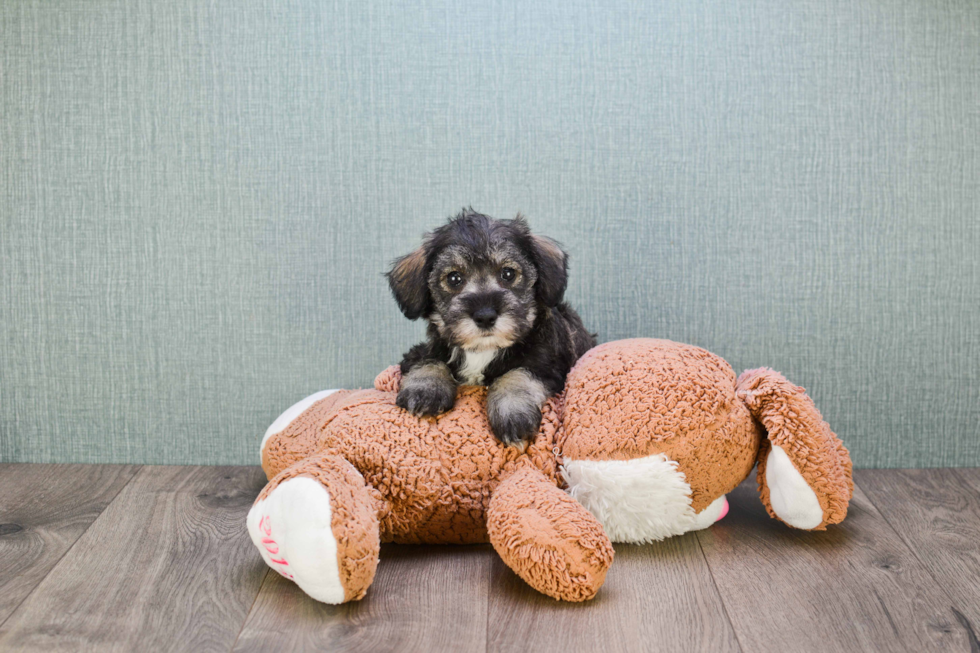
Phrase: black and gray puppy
(492, 294)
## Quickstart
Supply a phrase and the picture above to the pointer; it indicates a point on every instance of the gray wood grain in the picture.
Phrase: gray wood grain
(856, 586)
(424, 598)
(44, 509)
(656, 597)
(167, 566)
(936, 512)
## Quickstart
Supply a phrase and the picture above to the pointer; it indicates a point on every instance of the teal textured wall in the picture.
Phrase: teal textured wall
(198, 200)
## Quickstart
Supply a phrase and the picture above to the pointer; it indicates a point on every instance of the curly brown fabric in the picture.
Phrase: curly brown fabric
(446, 479)
(793, 422)
(301, 437)
(389, 379)
(548, 538)
(634, 398)
(436, 474)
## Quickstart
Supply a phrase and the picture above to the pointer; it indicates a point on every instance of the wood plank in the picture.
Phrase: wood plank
(424, 598)
(856, 586)
(167, 566)
(656, 597)
(44, 509)
(936, 512)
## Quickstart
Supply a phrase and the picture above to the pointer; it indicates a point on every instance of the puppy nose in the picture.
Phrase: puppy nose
(485, 317)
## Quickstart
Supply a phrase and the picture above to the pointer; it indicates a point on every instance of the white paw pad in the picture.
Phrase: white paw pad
(292, 530)
(790, 495)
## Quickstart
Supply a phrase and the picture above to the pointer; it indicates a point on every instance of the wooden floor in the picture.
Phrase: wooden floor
(104, 557)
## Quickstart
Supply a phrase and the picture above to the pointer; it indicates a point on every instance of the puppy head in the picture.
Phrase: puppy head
(481, 282)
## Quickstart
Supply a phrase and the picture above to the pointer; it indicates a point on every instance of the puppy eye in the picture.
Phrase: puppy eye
(508, 274)
(454, 279)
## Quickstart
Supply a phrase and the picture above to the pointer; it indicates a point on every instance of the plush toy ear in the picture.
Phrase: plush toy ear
(552, 265)
(409, 283)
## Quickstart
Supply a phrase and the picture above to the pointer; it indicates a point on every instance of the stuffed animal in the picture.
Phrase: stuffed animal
(644, 443)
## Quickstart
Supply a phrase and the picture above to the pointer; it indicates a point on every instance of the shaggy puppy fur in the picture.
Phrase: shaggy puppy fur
(492, 294)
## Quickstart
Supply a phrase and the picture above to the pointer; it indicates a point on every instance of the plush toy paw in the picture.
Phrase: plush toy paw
(804, 471)
(291, 529)
(317, 526)
(790, 496)
(548, 539)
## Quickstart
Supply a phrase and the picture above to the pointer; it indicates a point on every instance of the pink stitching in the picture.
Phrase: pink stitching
(266, 527)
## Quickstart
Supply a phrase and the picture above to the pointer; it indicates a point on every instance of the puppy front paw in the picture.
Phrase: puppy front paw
(515, 425)
(426, 401)
(427, 390)
(514, 407)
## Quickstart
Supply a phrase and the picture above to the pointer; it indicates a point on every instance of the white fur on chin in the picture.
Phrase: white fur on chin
(473, 338)
(478, 349)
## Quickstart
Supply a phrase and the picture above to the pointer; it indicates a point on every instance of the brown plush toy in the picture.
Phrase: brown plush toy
(644, 443)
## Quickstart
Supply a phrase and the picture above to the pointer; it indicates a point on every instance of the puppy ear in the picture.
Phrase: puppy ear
(552, 265)
(409, 283)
